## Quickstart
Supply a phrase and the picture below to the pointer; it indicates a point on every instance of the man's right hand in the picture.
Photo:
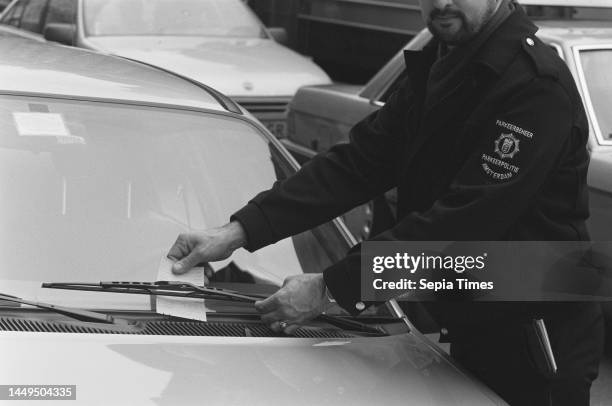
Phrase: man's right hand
(191, 249)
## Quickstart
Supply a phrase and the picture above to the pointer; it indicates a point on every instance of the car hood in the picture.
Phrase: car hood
(337, 102)
(235, 67)
(154, 370)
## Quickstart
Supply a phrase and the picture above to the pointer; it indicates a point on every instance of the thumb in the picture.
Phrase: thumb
(267, 305)
(185, 264)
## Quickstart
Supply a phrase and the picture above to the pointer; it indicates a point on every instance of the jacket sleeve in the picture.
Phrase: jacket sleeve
(497, 183)
(331, 183)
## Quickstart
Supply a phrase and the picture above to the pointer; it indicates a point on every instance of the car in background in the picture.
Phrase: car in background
(219, 41)
(8, 31)
(580, 31)
(104, 161)
(3, 4)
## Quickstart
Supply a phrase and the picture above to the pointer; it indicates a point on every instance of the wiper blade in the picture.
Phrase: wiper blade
(189, 290)
(159, 288)
(354, 325)
(78, 314)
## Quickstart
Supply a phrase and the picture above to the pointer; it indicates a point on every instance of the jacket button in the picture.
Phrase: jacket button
(444, 331)
(530, 42)
(360, 306)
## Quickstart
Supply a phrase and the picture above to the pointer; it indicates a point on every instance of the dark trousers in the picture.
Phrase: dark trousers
(503, 359)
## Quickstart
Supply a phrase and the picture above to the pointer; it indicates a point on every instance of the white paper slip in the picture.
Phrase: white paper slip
(194, 309)
(40, 124)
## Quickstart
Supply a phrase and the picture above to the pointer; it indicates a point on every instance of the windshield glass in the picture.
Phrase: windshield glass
(596, 65)
(210, 18)
(94, 191)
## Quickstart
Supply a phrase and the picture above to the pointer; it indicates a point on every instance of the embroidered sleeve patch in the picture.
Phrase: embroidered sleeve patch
(514, 128)
(502, 162)
(507, 146)
(498, 169)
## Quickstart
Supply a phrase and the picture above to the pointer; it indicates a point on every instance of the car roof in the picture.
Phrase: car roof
(576, 32)
(33, 67)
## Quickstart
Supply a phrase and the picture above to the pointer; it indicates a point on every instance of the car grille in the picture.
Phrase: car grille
(271, 111)
(265, 106)
(166, 328)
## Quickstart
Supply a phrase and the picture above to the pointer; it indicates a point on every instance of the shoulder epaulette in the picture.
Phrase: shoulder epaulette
(544, 58)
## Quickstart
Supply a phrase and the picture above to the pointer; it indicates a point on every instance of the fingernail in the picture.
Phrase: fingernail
(177, 268)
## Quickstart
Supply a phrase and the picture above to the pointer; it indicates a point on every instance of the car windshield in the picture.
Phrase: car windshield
(210, 18)
(96, 191)
(598, 76)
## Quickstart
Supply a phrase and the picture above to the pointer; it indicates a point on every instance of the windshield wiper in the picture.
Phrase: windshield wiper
(159, 288)
(78, 314)
(189, 290)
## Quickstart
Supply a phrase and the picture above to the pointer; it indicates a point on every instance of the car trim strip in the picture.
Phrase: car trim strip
(227, 103)
(583, 84)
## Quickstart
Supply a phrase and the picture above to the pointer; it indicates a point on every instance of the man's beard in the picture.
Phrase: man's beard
(467, 30)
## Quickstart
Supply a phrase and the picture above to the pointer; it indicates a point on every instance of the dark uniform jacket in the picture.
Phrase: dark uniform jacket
(499, 156)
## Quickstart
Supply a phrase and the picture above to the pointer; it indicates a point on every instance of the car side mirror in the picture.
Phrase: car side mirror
(62, 33)
(279, 34)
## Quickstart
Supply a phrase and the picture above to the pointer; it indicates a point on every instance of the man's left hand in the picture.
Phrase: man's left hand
(301, 299)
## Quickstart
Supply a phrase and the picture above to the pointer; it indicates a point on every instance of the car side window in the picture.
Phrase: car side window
(13, 16)
(61, 11)
(32, 16)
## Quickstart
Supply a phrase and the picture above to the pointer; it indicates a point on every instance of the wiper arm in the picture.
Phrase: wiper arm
(349, 324)
(78, 314)
(189, 290)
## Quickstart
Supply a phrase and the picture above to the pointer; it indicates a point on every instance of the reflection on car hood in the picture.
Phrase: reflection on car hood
(236, 67)
(154, 370)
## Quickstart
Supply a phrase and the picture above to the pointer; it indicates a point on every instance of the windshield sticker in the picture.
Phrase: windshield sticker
(45, 125)
(40, 124)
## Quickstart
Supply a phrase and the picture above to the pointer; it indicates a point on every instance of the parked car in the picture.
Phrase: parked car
(104, 161)
(219, 41)
(321, 116)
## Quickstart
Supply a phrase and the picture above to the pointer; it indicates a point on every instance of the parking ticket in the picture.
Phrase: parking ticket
(194, 309)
